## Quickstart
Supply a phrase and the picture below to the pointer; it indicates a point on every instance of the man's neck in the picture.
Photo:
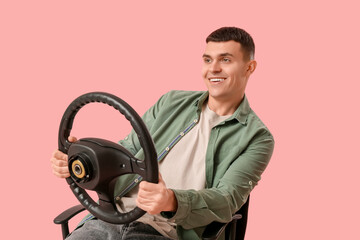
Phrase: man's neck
(223, 107)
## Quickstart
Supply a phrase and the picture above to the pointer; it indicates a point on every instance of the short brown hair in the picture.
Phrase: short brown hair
(239, 35)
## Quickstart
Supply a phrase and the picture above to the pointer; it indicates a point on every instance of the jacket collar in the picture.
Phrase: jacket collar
(241, 113)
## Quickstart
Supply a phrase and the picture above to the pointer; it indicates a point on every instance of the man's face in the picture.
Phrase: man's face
(225, 71)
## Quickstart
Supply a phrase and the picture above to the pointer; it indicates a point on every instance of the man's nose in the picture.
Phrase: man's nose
(215, 67)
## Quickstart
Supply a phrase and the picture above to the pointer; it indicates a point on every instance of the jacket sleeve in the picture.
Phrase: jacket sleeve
(219, 203)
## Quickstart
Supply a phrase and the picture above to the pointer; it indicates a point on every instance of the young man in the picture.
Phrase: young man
(212, 150)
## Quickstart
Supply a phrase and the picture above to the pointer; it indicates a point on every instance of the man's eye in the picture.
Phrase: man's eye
(207, 60)
(226, 59)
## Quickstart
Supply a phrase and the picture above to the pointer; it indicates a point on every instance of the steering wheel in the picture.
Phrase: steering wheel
(95, 164)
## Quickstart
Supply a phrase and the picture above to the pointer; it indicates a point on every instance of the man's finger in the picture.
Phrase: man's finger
(59, 163)
(61, 175)
(72, 139)
(61, 170)
(146, 186)
(60, 155)
(161, 180)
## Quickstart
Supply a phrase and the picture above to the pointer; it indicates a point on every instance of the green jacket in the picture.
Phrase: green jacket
(238, 152)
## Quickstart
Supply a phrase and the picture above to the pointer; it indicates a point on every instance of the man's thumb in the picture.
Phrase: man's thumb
(72, 139)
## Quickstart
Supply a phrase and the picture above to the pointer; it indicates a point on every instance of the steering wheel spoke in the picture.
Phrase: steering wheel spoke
(138, 166)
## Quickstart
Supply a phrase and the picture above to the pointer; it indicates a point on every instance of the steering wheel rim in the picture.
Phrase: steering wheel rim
(104, 212)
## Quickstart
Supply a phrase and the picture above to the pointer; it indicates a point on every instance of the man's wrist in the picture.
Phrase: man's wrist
(173, 205)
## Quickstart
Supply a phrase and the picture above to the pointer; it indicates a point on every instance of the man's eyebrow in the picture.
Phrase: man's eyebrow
(226, 54)
(220, 55)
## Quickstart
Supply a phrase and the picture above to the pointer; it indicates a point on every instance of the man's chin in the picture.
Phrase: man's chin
(216, 95)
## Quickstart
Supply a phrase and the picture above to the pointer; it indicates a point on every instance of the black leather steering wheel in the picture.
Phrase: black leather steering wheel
(95, 164)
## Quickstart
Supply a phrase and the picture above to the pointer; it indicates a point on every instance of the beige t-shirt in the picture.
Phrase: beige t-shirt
(186, 161)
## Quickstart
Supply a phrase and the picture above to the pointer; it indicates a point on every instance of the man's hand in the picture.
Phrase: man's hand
(59, 162)
(155, 198)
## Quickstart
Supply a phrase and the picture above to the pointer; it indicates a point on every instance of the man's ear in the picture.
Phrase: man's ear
(251, 66)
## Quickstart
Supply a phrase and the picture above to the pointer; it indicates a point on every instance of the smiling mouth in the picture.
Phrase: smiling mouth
(216, 79)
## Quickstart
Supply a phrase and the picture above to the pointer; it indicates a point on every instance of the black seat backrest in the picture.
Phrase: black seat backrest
(241, 223)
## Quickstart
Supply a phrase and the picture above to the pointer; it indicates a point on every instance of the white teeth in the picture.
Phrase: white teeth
(217, 79)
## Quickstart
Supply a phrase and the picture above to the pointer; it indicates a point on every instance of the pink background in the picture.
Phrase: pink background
(306, 89)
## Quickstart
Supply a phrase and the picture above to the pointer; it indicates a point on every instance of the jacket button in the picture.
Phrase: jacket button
(195, 121)
(167, 149)
(182, 134)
